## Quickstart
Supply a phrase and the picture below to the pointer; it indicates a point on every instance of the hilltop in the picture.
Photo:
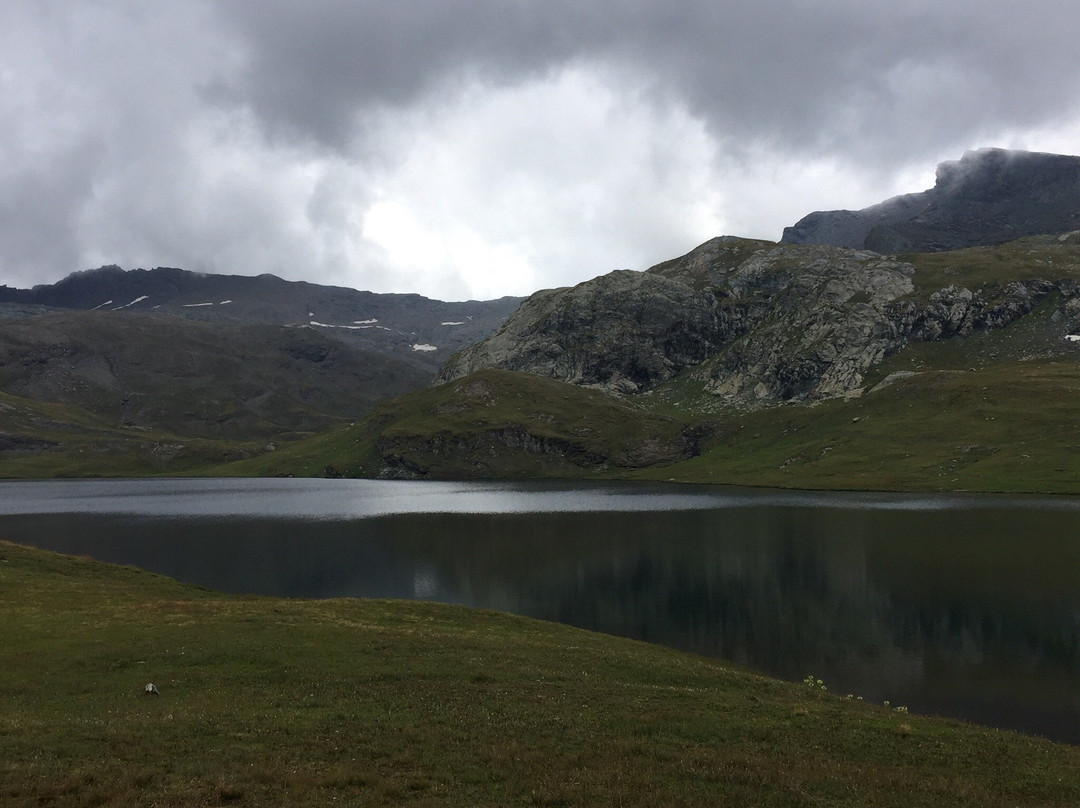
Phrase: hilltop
(988, 197)
(757, 324)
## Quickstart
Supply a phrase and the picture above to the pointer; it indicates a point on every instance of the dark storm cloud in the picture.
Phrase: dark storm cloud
(898, 78)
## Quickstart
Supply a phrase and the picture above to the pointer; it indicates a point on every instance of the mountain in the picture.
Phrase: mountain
(194, 379)
(111, 371)
(989, 196)
(942, 371)
(743, 361)
(410, 327)
(757, 324)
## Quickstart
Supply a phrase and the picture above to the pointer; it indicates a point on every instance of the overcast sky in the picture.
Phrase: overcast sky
(476, 148)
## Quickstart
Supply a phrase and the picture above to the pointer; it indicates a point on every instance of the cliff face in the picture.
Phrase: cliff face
(990, 196)
(757, 323)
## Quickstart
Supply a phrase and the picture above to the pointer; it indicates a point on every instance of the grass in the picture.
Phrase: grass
(1026, 259)
(267, 701)
(986, 422)
(1013, 427)
(493, 423)
(974, 416)
(58, 440)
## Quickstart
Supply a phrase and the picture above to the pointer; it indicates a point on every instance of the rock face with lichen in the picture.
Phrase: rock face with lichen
(756, 323)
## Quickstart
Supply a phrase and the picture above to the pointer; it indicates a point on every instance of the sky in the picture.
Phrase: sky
(478, 148)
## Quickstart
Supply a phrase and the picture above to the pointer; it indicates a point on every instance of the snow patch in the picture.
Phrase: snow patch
(224, 302)
(365, 322)
(1073, 337)
(196, 305)
(328, 325)
(458, 323)
(422, 347)
(139, 299)
(102, 305)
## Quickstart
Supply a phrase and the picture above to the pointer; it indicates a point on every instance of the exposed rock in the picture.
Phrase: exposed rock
(765, 323)
(757, 323)
(831, 315)
(627, 332)
(990, 196)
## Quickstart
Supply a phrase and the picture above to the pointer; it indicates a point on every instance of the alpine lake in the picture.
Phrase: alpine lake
(965, 606)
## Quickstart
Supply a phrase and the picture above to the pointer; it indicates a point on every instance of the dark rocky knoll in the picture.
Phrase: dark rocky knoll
(757, 323)
(989, 196)
(413, 328)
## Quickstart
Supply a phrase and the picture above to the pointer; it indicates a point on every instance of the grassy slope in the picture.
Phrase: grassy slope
(267, 701)
(1009, 427)
(459, 430)
(1032, 258)
(56, 440)
(995, 411)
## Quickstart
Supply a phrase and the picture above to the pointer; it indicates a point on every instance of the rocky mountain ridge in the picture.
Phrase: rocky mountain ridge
(989, 196)
(758, 323)
(413, 328)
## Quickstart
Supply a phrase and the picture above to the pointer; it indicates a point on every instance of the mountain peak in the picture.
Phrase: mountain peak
(988, 196)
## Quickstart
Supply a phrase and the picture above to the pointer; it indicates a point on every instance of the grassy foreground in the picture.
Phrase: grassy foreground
(278, 702)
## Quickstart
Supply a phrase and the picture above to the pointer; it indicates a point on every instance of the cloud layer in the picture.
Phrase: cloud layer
(478, 147)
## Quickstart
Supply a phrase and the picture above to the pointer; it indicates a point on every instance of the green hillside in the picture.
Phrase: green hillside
(1011, 426)
(493, 424)
(42, 439)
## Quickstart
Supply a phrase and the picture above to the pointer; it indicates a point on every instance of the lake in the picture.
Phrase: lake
(964, 606)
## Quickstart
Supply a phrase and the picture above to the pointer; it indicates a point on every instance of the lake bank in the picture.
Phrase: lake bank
(265, 701)
(961, 606)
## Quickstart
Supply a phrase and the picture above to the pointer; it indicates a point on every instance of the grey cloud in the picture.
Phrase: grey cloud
(40, 207)
(254, 136)
(870, 78)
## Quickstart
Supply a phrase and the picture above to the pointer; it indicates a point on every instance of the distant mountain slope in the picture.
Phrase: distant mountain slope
(411, 327)
(193, 379)
(988, 197)
(758, 324)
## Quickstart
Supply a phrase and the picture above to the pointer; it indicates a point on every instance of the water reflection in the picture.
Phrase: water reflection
(965, 611)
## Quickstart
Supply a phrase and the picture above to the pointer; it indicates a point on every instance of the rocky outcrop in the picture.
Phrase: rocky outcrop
(762, 323)
(754, 322)
(990, 196)
(831, 316)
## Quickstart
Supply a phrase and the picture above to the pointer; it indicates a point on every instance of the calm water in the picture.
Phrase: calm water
(956, 605)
